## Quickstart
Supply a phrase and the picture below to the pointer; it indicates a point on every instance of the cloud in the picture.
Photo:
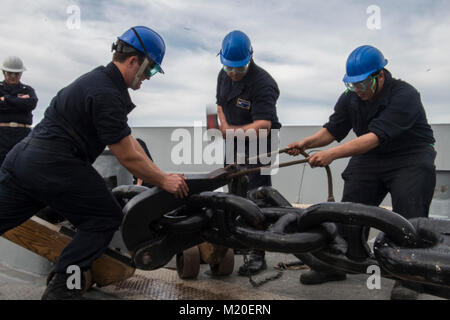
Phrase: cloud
(303, 44)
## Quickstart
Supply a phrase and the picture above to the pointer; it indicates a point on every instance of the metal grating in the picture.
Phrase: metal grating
(163, 284)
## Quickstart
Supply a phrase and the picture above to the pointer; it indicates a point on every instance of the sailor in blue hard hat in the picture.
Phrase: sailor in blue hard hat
(53, 165)
(393, 151)
(236, 54)
(364, 73)
(246, 100)
(151, 47)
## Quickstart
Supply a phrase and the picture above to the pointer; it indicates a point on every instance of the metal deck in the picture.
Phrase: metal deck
(164, 284)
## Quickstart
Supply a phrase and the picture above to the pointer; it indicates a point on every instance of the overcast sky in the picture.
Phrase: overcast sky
(302, 44)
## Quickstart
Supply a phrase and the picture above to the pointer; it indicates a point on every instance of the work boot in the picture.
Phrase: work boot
(256, 264)
(316, 277)
(57, 289)
(403, 291)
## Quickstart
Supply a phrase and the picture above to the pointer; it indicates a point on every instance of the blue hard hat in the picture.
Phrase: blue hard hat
(150, 43)
(236, 50)
(362, 62)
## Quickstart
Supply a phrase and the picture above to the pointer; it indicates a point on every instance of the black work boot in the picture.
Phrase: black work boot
(405, 291)
(256, 264)
(316, 277)
(57, 289)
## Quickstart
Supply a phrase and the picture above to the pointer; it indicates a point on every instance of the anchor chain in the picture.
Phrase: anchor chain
(416, 250)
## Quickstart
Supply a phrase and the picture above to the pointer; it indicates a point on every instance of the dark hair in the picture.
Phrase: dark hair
(376, 73)
(122, 51)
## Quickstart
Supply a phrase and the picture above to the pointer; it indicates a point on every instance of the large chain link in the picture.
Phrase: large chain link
(266, 221)
(285, 230)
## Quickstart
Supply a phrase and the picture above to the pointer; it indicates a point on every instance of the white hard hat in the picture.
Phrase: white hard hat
(13, 64)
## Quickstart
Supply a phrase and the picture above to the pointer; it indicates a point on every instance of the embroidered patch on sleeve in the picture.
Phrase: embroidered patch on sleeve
(244, 104)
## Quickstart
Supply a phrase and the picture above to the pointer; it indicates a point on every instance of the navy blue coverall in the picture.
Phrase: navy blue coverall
(243, 102)
(53, 166)
(403, 163)
(15, 109)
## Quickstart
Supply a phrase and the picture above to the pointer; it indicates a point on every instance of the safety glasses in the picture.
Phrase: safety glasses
(364, 85)
(152, 69)
(236, 69)
(12, 74)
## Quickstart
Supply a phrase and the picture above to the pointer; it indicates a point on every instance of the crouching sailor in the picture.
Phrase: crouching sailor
(52, 167)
